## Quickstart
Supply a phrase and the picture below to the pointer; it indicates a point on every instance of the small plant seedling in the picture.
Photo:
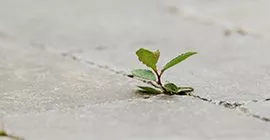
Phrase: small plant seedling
(153, 76)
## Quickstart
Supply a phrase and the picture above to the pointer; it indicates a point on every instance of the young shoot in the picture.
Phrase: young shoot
(154, 76)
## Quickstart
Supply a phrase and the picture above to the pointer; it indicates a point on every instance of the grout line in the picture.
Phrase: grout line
(235, 106)
(248, 113)
(226, 104)
(228, 27)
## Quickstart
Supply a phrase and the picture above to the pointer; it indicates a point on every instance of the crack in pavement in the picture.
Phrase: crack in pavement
(235, 106)
(228, 27)
(230, 105)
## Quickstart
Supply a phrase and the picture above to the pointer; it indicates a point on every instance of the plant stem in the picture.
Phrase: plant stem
(159, 81)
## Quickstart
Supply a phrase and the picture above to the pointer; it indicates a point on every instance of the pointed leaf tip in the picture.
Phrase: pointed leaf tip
(177, 60)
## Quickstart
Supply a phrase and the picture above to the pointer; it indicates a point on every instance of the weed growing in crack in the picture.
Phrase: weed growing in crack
(154, 76)
(3, 133)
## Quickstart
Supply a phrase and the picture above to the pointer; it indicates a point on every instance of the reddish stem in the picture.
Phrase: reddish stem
(159, 80)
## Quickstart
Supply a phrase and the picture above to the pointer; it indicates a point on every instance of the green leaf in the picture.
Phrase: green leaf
(149, 90)
(177, 60)
(144, 74)
(171, 87)
(148, 58)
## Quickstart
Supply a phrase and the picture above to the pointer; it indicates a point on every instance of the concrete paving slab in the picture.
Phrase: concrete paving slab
(65, 104)
(251, 16)
(229, 71)
(47, 96)
(62, 63)
(32, 80)
(227, 67)
(140, 119)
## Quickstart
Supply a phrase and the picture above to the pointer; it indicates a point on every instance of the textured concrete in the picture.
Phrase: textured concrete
(63, 66)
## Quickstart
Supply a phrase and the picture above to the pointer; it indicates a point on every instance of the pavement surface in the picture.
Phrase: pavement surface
(63, 67)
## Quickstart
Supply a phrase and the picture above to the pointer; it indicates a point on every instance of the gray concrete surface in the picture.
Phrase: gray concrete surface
(62, 66)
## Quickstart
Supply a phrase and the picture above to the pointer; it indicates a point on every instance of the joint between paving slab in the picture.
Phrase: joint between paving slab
(226, 104)
(229, 28)
(248, 113)
(234, 106)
